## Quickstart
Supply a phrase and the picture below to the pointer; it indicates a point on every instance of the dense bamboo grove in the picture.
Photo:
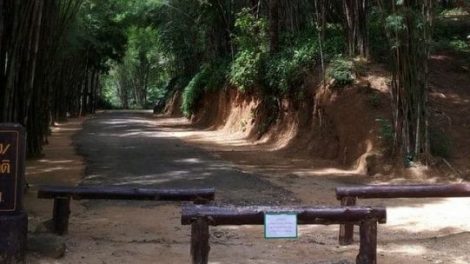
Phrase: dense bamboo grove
(63, 58)
(44, 78)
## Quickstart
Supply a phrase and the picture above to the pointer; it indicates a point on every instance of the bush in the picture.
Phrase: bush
(252, 40)
(386, 134)
(210, 78)
(218, 72)
(245, 69)
(451, 35)
(459, 45)
(341, 71)
(288, 68)
(251, 31)
(335, 43)
(193, 92)
(454, 12)
(378, 42)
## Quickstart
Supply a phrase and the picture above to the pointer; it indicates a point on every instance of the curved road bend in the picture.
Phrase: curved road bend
(126, 148)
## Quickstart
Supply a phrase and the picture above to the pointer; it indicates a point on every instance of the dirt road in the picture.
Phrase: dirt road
(136, 149)
(126, 148)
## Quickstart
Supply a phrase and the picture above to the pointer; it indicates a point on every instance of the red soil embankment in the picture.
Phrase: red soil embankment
(337, 124)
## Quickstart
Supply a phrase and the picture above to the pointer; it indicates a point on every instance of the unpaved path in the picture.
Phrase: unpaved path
(126, 148)
(131, 148)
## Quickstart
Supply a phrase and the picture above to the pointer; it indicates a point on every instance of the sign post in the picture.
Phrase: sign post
(13, 218)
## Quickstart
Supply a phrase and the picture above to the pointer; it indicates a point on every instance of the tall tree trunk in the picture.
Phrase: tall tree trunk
(273, 26)
(355, 12)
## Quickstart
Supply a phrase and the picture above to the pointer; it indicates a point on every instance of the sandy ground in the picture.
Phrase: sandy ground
(418, 230)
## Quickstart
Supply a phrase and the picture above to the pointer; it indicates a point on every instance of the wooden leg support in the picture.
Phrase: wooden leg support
(346, 231)
(200, 241)
(13, 237)
(368, 246)
(61, 214)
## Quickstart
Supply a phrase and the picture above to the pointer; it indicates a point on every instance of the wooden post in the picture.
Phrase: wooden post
(13, 237)
(368, 246)
(346, 231)
(61, 215)
(200, 241)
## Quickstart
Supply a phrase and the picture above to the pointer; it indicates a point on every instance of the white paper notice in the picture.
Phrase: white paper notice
(280, 225)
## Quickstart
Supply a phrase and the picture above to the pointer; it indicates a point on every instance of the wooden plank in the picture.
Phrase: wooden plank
(200, 241)
(13, 236)
(404, 191)
(60, 216)
(368, 244)
(125, 193)
(346, 231)
(254, 215)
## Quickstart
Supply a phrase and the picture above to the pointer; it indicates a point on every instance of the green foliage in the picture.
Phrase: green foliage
(335, 42)
(440, 143)
(386, 133)
(374, 100)
(246, 69)
(287, 69)
(451, 35)
(341, 71)
(218, 75)
(459, 45)
(251, 31)
(193, 92)
(252, 42)
(395, 23)
(210, 78)
(109, 98)
(454, 12)
(378, 42)
(98, 33)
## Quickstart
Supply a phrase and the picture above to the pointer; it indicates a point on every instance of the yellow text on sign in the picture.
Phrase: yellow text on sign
(4, 148)
(5, 167)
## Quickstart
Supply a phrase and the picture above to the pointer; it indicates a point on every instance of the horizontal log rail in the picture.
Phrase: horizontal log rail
(404, 191)
(63, 194)
(200, 217)
(254, 215)
(125, 193)
(349, 195)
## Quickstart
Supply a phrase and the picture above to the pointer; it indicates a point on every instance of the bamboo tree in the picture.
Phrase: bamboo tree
(355, 12)
(409, 26)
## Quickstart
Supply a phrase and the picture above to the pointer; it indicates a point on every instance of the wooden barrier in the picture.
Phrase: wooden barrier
(349, 195)
(200, 217)
(62, 196)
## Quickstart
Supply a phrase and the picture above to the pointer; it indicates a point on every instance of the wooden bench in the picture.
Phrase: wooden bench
(201, 216)
(62, 196)
(349, 195)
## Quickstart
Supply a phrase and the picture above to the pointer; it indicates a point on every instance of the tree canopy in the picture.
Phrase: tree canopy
(65, 58)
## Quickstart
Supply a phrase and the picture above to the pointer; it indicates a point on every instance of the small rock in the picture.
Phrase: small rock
(48, 245)
(218, 234)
